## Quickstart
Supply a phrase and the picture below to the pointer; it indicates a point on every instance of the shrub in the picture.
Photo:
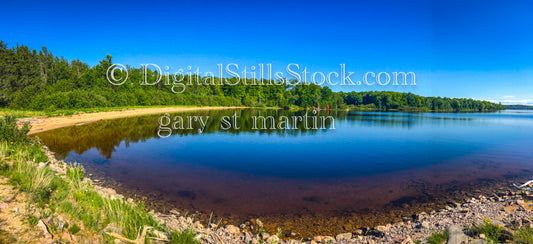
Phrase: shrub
(10, 132)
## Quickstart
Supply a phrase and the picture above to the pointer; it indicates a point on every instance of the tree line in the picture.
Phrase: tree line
(38, 80)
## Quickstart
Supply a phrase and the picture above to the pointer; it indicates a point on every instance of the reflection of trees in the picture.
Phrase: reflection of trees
(107, 135)
(404, 120)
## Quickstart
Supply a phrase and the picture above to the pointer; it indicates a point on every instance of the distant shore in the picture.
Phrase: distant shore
(43, 123)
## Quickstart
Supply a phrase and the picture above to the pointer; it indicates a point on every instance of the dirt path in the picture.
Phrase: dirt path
(40, 124)
(14, 212)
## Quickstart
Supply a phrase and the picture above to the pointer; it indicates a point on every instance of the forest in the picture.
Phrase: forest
(38, 80)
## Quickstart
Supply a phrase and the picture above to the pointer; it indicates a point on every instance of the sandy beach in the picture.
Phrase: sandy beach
(43, 123)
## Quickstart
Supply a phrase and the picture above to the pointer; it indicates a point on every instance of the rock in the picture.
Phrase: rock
(318, 239)
(16, 210)
(344, 236)
(113, 228)
(160, 234)
(293, 234)
(44, 229)
(456, 235)
(265, 236)
(406, 240)
(358, 232)
(381, 228)
(273, 239)
(248, 237)
(425, 224)
(232, 229)
(482, 236)
(198, 225)
(329, 239)
(59, 222)
(174, 212)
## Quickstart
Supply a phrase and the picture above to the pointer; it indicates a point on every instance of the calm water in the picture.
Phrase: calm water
(373, 167)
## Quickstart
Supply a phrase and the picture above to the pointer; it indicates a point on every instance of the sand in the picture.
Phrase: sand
(43, 123)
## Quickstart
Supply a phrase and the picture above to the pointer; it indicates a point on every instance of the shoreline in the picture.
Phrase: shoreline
(507, 209)
(308, 226)
(43, 123)
(505, 206)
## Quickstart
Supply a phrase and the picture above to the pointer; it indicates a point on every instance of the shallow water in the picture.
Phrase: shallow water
(374, 167)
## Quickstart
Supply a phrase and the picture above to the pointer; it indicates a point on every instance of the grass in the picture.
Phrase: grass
(32, 220)
(74, 228)
(438, 237)
(68, 194)
(185, 237)
(492, 232)
(524, 235)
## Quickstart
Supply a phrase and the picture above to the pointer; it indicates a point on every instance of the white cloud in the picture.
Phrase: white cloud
(521, 102)
(508, 101)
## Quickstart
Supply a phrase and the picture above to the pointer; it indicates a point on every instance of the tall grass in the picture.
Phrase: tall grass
(69, 194)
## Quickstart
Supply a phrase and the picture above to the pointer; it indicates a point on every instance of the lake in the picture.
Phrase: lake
(372, 168)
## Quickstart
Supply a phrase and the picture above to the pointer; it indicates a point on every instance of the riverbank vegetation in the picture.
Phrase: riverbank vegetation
(67, 195)
(39, 81)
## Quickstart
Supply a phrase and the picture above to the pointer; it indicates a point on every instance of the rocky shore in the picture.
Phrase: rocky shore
(509, 209)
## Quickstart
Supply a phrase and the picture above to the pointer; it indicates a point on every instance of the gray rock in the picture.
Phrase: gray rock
(456, 235)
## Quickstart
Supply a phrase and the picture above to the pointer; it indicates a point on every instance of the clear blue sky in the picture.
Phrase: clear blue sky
(473, 49)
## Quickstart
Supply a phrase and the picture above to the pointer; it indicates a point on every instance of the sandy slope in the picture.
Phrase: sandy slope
(40, 124)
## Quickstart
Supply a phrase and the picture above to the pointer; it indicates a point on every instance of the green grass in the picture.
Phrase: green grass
(492, 232)
(68, 194)
(524, 235)
(185, 237)
(74, 228)
(438, 237)
(32, 220)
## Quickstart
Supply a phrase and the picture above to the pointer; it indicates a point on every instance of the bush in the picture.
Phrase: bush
(10, 132)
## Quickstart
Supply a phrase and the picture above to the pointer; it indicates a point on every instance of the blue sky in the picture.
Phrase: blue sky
(473, 49)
